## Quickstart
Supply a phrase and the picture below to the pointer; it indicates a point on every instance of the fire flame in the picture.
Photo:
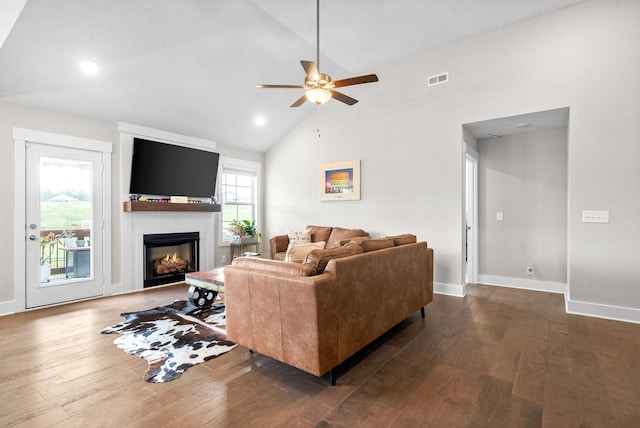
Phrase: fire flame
(174, 258)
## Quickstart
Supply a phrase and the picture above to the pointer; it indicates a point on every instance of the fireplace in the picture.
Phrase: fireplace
(168, 256)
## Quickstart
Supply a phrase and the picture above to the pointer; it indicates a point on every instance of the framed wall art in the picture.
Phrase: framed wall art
(340, 181)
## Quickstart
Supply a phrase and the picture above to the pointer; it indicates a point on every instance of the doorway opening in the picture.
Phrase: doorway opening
(522, 199)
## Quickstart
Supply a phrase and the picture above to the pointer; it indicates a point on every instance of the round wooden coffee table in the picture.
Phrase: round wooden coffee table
(204, 286)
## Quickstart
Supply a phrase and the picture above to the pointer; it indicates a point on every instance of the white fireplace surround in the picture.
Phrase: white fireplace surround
(135, 225)
(147, 223)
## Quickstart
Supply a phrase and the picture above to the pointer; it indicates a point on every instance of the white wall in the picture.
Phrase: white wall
(408, 137)
(524, 177)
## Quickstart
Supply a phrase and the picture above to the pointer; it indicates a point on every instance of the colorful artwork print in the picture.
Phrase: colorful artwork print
(340, 181)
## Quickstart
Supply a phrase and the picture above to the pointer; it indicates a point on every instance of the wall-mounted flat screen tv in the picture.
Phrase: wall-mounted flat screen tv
(168, 170)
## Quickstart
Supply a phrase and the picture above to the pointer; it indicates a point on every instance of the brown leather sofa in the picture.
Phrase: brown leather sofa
(316, 314)
(331, 235)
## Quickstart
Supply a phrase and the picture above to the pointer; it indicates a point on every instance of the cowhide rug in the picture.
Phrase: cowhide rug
(172, 338)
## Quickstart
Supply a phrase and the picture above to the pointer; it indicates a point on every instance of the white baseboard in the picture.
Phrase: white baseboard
(113, 289)
(598, 310)
(450, 289)
(8, 308)
(525, 284)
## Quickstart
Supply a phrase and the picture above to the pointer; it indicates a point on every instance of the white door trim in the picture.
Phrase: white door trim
(21, 138)
(474, 157)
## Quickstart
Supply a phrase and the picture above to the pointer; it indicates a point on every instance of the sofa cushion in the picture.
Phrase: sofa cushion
(297, 253)
(302, 237)
(339, 234)
(376, 244)
(273, 266)
(320, 233)
(358, 240)
(319, 258)
(404, 239)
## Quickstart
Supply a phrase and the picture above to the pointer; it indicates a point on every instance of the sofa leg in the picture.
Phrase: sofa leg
(332, 377)
(422, 312)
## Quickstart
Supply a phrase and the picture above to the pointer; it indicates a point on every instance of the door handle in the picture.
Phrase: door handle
(32, 237)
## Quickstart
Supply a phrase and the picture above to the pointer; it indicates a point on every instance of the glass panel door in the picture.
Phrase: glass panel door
(64, 194)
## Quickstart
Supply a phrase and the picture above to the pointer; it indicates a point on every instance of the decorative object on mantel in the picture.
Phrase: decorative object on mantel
(173, 338)
(244, 232)
(340, 181)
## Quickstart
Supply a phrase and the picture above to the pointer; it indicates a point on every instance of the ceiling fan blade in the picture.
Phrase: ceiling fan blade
(280, 86)
(311, 69)
(343, 98)
(299, 101)
(369, 78)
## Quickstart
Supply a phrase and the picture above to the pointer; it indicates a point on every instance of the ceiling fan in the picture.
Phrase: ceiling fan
(319, 88)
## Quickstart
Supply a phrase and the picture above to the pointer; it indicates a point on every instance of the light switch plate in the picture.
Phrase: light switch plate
(499, 216)
(595, 216)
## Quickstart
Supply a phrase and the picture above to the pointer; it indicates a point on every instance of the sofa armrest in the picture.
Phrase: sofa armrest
(278, 244)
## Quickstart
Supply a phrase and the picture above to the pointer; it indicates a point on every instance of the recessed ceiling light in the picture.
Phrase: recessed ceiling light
(494, 135)
(523, 125)
(260, 120)
(89, 67)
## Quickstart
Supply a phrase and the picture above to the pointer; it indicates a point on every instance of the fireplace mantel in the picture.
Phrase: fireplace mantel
(130, 206)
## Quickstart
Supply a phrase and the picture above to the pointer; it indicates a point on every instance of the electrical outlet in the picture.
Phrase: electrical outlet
(530, 270)
(499, 216)
(224, 259)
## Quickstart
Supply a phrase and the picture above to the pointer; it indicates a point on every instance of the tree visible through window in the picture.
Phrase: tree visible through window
(239, 198)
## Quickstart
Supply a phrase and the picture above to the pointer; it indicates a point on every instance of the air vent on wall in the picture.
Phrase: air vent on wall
(438, 79)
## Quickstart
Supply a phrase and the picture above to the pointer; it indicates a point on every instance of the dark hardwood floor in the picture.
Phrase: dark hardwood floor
(498, 357)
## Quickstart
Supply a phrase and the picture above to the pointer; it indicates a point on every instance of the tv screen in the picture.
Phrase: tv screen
(169, 170)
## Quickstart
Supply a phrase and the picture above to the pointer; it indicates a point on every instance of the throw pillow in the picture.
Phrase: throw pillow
(297, 253)
(319, 258)
(303, 237)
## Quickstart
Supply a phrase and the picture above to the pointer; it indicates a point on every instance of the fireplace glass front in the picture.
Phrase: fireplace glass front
(169, 256)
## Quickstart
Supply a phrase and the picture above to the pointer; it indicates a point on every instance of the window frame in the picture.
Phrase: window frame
(254, 168)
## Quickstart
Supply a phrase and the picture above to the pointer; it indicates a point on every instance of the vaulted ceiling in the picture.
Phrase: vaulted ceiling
(191, 66)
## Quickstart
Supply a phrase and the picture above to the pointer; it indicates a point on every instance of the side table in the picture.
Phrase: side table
(238, 250)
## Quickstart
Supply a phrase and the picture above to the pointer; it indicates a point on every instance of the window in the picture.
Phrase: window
(238, 193)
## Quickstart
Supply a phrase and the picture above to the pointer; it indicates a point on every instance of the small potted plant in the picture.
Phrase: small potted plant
(244, 232)
(69, 238)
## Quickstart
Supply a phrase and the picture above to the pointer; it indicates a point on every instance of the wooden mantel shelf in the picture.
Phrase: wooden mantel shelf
(131, 206)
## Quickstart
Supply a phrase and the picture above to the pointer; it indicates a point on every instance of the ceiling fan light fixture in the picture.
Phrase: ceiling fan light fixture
(318, 95)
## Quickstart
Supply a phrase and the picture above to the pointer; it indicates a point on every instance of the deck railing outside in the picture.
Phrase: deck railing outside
(54, 253)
